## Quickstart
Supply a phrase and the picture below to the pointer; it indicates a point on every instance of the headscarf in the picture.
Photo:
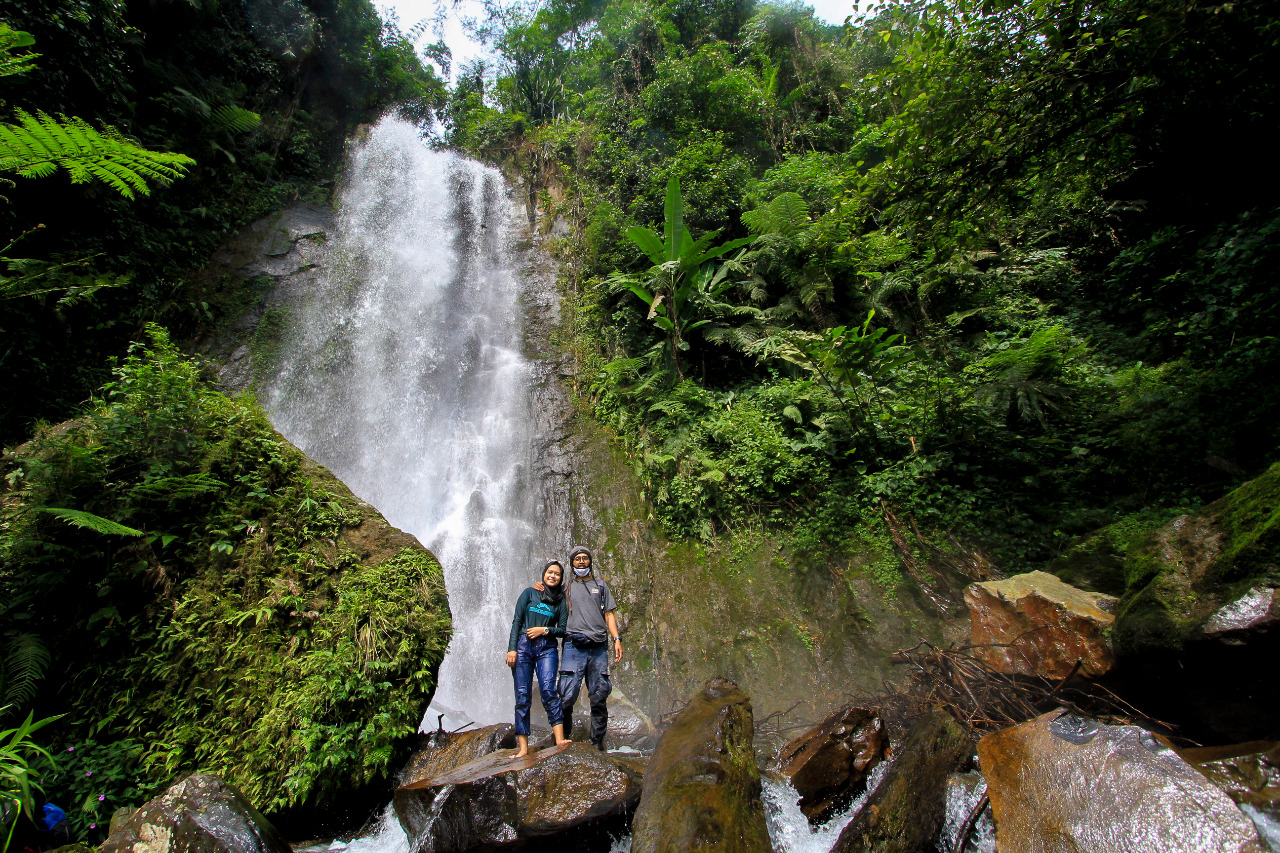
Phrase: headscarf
(552, 595)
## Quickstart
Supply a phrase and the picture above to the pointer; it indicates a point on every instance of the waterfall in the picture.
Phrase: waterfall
(403, 374)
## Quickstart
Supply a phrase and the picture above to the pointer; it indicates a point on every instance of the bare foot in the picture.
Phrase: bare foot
(520, 753)
(564, 742)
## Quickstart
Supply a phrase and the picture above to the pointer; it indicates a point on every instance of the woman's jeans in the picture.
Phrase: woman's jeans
(592, 664)
(541, 654)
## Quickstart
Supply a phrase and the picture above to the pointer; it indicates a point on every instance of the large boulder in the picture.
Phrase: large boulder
(1062, 782)
(200, 814)
(826, 763)
(496, 802)
(442, 752)
(1034, 624)
(906, 810)
(1175, 575)
(702, 791)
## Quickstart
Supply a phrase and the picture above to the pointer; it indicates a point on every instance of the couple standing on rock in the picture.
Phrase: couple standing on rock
(581, 610)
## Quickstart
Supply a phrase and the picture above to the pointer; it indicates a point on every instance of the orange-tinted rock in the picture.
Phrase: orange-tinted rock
(702, 791)
(200, 814)
(831, 758)
(496, 802)
(904, 813)
(1034, 624)
(1065, 783)
(445, 751)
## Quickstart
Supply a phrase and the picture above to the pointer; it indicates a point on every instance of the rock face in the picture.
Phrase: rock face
(444, 752)
(904, 814)
(1256, 610)
(702, 791)
(200, 814)
(1042, 626)
(495, 802)
(827, 761)
(1062, 782)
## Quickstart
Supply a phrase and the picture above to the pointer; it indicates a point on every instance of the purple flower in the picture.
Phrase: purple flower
(93, 826)
(71, 749)
(88, 772)
(101, 797)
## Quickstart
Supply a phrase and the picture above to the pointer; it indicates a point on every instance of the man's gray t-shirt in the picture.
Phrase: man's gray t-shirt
(584, 616)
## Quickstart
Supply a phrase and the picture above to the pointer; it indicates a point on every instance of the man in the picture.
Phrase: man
(591, 638)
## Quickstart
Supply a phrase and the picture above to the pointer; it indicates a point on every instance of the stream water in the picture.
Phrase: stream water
(403, 373)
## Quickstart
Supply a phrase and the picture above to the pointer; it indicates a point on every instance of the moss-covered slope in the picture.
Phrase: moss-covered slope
(212, 599)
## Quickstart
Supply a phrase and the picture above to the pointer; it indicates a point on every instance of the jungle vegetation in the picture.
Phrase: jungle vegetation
(1008, 270)
(175, 589)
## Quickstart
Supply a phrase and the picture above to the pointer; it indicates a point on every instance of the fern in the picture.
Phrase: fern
(39, 145)
(11, 40)
(235, 119)
(88, 520)
(25, 662)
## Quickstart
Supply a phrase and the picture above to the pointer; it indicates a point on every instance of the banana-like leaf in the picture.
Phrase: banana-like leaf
(648, 242)
(674, 232)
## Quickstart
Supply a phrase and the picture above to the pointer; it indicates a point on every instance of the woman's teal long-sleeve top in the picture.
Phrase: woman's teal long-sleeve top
(533, 612)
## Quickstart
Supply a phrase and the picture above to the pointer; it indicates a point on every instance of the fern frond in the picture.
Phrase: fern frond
(88, 520)
(235, 119)
(39, 145)
(25, 662)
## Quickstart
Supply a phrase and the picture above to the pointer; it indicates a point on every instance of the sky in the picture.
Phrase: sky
(411, 12)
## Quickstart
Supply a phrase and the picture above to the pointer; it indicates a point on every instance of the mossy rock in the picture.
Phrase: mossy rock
(215, 597)
(1172, 576)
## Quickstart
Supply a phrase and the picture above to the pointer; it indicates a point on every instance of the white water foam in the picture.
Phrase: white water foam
(789, 829)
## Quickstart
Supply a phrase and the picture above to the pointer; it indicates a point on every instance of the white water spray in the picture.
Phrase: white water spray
(403, 374)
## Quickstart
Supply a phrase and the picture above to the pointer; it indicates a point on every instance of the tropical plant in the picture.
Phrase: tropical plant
(39, 145)
(683, 288)
(18, 778)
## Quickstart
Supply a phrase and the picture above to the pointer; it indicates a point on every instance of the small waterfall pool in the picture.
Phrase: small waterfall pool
(403, 374)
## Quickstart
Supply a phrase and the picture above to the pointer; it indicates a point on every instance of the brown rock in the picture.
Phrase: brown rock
(1066, 783)
(831, 758)
(702, 791)
(1248, 772)
(1039, 625)
(905, 812)
(443, 752)
(1257, 610)
(200, 814)
(495, 802)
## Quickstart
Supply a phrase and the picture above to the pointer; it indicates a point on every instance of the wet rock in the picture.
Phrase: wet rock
(1256, 610)
(200, 814)
(702, 791)
(443, 752)
(1039, 625)
(826, 762)
(906, 811)
(1062, 782)
(495, 802)
(1250, 775)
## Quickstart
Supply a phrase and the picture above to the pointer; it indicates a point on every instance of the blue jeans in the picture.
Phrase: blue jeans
(593, 664)
(541, 654)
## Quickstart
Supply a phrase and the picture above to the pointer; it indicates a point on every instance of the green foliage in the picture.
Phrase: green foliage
(24, 663)
(202, 606)
(39, 145)
(18, 778)
(94, 779)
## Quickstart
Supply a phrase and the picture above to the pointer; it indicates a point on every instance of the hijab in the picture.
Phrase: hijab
(552, 595)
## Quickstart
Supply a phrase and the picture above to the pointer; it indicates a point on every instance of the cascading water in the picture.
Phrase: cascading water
(403, 374)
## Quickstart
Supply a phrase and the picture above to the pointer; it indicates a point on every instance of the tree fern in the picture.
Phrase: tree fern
(25, 660)
(88, 520)
(11, 40)
(39, 145)
(235, 119)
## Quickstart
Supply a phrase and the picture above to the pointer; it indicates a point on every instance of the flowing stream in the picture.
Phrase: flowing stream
(403, 374)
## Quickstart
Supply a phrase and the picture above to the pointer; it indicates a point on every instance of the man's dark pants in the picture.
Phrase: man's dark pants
(592, 663)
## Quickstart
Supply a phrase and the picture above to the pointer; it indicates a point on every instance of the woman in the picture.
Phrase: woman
(538, 621)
